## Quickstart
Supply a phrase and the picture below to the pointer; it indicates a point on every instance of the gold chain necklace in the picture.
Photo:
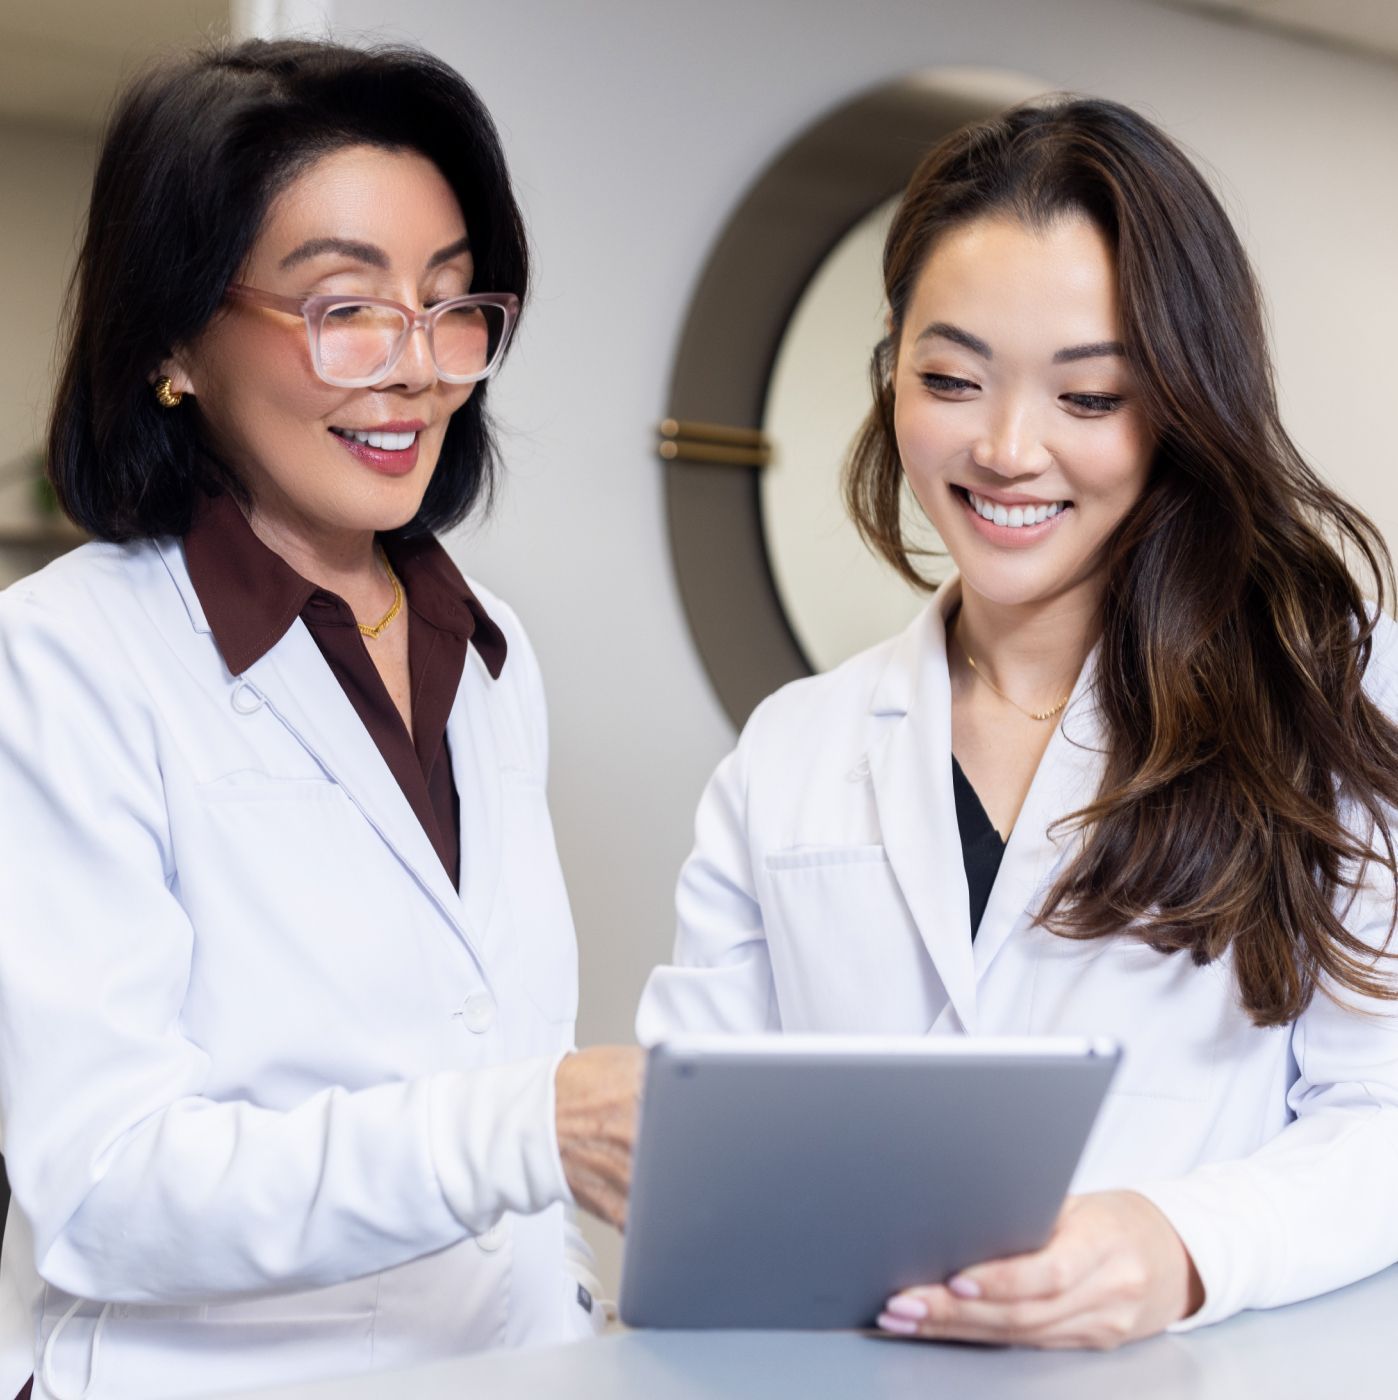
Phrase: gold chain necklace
(1030, 714)
(377, 629)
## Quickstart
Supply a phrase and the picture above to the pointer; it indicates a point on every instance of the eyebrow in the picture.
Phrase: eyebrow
(942, 330)
(452, 250)
(365, 252)
(1097, 349)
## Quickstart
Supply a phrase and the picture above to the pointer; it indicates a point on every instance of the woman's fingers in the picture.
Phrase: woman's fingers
(596, 1092)
(1049, 1273)
(1114, 1270)
(1091, 1312)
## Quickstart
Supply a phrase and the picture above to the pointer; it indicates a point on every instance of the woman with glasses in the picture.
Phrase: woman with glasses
(287, 971)
(1133, 770)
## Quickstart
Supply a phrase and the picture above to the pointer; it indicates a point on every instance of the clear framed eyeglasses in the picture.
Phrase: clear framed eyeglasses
(356, 341)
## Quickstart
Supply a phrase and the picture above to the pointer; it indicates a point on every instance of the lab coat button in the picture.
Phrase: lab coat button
(479, 1013)
(491, 1240)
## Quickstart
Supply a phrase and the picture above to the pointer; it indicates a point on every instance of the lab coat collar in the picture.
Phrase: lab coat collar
(295, 683)
(172, 553)
(474, 747)
(912, 702)
(910, 767)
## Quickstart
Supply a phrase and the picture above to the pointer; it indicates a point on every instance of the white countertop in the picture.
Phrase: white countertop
(1344, 1345)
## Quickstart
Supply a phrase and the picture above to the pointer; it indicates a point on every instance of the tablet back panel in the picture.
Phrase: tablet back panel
(798, 1185)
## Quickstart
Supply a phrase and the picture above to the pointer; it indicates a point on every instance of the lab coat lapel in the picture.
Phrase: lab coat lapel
(1066, 780)
(911, 774)
(476, 770)
(294, 680)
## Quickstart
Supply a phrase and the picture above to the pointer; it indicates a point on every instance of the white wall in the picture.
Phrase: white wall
(632, 126)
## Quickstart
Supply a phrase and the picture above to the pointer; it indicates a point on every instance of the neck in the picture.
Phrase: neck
(341, 561)
(1032, 651)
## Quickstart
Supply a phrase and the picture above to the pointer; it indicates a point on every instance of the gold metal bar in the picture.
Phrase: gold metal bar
(715, 454)
(713, 432)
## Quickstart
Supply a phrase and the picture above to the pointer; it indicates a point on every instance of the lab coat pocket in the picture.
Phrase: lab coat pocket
(1166, 1013)
(541, 925)
(846, 953)
(311, 1333)
(343, 1310)
(288, 874)
(249, 785)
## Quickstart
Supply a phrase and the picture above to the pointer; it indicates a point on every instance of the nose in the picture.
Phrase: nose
(1010, 443)
(414, 368)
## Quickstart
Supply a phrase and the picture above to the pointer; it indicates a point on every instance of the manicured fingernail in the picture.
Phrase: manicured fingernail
(905, 1305)
(964, 1287)
(904, 1325)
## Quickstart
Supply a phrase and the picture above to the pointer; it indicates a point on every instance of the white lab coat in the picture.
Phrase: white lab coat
(277, 1100)
(826, 893)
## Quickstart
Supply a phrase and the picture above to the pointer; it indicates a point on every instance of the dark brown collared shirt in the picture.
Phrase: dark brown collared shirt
(251, 596)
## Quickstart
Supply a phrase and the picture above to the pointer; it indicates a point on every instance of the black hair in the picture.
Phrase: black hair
(196, 150)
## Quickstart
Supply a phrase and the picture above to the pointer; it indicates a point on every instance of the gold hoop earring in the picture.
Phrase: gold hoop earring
(165, 394)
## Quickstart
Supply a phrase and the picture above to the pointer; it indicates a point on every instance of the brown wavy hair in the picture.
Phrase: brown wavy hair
(1248, 775)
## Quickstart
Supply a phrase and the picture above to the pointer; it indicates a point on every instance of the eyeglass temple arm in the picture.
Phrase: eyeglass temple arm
(239, 292)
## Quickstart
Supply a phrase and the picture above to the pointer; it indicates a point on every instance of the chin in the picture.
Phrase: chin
(385, 522)
(376, 512)
(1011, 588)
(387, 503)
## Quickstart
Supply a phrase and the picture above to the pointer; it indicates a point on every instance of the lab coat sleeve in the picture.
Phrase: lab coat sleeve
(137, 1187)
(1314, 1208)
(721, 977)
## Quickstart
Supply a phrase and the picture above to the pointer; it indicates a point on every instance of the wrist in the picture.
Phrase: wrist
(1187, 1287)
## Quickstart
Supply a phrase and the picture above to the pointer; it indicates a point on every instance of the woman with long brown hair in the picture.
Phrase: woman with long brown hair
(1131, 772)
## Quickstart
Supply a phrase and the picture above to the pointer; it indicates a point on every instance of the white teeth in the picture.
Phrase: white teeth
(385, 442)
(1014, 517)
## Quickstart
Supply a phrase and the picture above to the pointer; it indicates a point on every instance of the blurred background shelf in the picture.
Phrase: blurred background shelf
(53, 537)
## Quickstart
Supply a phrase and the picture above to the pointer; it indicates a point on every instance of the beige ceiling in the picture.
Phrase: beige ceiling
(61, 61)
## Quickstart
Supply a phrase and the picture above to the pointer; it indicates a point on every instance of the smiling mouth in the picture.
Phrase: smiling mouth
(382, 442)
(1012, 517)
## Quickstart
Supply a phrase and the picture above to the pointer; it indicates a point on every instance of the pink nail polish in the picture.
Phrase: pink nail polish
(964, 1287)
(903, 1325)
(905, 1305)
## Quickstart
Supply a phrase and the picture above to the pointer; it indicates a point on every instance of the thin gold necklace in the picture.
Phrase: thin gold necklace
(375, 630)
(1047, 714)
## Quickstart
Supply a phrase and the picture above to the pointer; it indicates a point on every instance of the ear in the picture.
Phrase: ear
(181, 380)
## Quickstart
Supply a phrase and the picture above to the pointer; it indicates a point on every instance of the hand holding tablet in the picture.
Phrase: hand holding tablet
(1113, 1270)
(800, 1182)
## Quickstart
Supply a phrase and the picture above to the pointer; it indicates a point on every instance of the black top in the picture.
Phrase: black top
(981, 846)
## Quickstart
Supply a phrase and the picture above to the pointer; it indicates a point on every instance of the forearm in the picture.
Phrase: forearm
(205, 1200)
(1311, 1211)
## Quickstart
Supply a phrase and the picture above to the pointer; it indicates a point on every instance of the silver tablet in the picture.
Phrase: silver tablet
(798, 1181)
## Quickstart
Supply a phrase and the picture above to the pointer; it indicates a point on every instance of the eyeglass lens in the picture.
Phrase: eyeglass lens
(360, 341)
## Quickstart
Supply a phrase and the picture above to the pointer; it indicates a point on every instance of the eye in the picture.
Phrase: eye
(1094, 405)
(348, 312)
(948, 384)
